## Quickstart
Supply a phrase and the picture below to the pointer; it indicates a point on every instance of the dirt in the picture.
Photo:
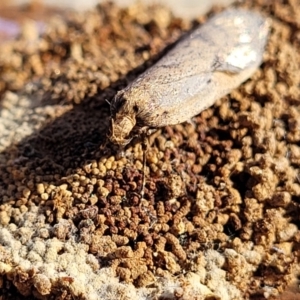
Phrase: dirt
(220, 213)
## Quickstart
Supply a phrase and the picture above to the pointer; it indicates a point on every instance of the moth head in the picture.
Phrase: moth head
(123, 118)
(121, 129)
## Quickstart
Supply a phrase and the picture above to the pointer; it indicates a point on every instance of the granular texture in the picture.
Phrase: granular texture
(220, 213)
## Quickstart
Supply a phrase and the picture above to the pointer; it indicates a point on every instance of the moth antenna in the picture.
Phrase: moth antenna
(107, 101)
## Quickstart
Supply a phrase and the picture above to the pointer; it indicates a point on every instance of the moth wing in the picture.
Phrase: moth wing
(229, 42)
(240, 37)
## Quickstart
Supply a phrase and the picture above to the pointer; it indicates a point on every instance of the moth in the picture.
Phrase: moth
(205, 65)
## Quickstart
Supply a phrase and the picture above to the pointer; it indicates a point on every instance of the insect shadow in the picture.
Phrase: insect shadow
(70, 141)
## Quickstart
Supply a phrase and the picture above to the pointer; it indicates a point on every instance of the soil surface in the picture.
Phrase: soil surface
(220, 213)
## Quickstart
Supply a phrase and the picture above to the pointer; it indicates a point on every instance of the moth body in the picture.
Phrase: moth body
(202, 67)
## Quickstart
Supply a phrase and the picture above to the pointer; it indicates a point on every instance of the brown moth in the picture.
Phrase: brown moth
(204, 66)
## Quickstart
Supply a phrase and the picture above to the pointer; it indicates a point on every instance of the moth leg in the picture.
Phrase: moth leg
(145, 147)
(120, 154)
(145, 132)
(150, 131)
(191, 122)
(103, 145)
(144, 208)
